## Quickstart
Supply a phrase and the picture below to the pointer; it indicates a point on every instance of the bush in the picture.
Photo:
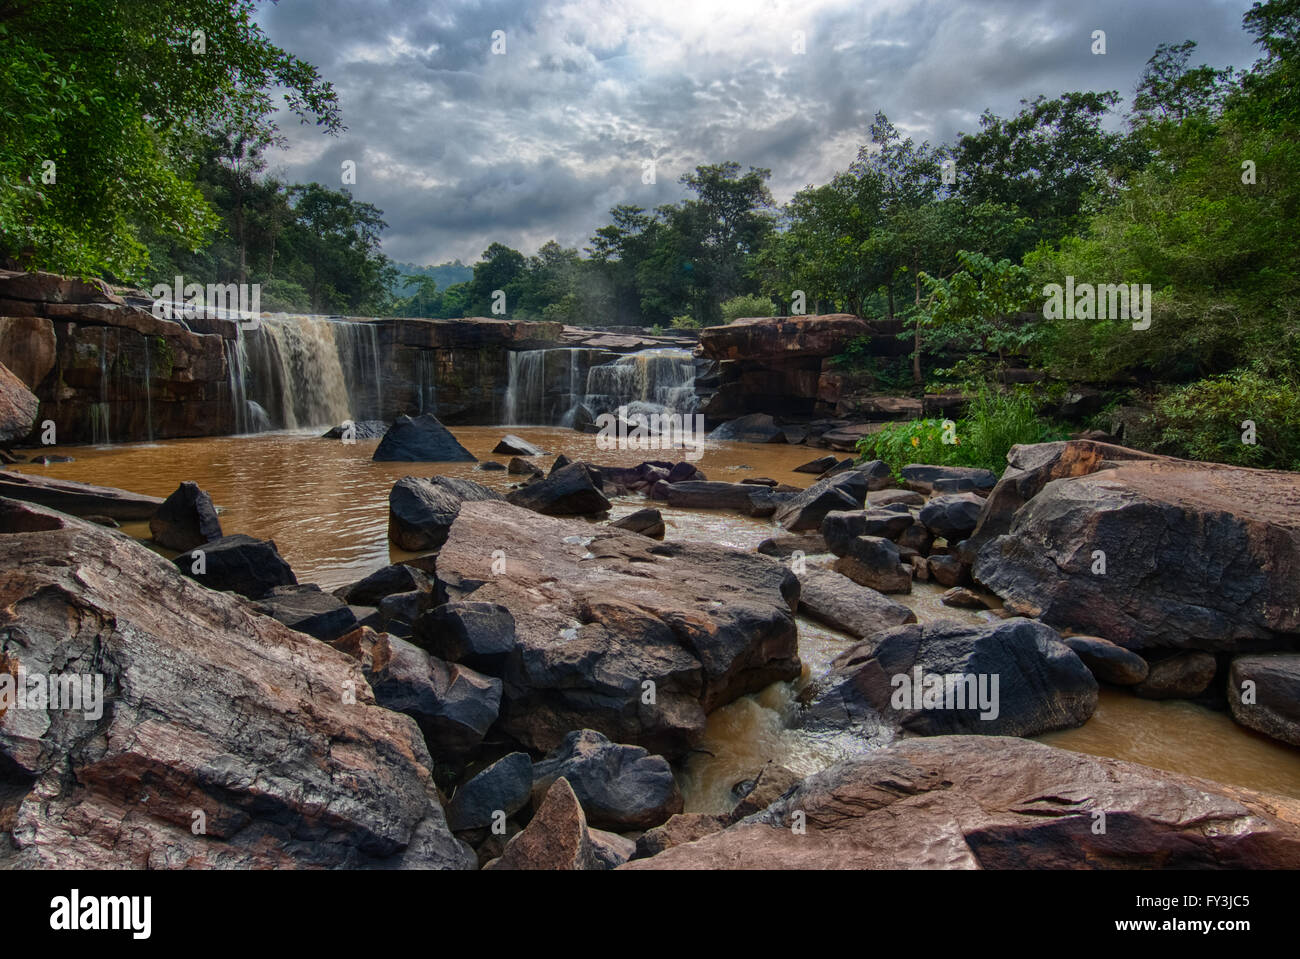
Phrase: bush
(994, 423)
(685, 322)
(742, 306)
(1204, 420)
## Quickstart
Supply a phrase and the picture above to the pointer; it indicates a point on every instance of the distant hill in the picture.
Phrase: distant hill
(444, 274)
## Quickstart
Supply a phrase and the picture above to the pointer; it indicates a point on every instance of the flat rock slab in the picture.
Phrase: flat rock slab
(1273, 693)
(977, 802)
(78, 499)
(858, 611)
(601, 612)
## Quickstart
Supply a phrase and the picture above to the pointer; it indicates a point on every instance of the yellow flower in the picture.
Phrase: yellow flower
(915, 441)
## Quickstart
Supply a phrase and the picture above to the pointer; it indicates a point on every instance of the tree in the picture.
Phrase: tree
(337, 240)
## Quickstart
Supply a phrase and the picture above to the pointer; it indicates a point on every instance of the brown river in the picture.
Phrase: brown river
(325, 504)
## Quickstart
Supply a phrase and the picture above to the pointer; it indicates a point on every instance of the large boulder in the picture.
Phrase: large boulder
(779, 338)
(18, 408)
(984, 802)
(78, 499)
(754, 428)
(1109, 663)
(238, 563)
(568, 491)
(385, 581)
(861, 612)
(1012, 678)
(1157, 553)
(1264, 694)
(421, 511)
(308, 610)
(215, 715)
(923, 478)
(647, 522)
(421, 439)
(952, 516)
(617, 632)
(186, 519)
(620, 787)
(502, 789)
(480, 635)
(840, 527)
(806, 510)
(1183, 675)
(874, 562)
(555, 839)
(713, 494)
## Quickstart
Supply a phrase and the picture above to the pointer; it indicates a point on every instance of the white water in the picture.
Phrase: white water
(545, 387)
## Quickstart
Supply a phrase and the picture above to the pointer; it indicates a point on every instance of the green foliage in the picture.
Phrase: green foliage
(975, 309)
(742, 306)
(685, 322)
(1206, 420)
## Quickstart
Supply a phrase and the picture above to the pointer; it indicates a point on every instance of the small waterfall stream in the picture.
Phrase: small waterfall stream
(546, 387)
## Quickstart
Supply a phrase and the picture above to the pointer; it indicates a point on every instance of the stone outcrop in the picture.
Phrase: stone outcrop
(976, 802)
(78, 499)
(18, 408)
(186, 519)
(859, 611)
(620, 787)
(303, 778)
(421, 439)
(1264, 694)
(421, 511)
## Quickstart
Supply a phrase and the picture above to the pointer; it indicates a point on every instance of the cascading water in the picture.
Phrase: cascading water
(663, 377)
(546, 387)
(426, 382)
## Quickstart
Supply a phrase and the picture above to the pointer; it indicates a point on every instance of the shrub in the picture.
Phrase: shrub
(1205, 420)
(741, 306)
(685, 322)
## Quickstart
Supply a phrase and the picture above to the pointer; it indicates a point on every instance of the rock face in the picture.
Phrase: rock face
(1196, 556)
(1180, 676)
(238, 563)
(1108, 662)
(568, 491)
(1275, 709)
(18, 408)
(834, 599)
(556, 838)
(619, 787)
(301, 779)
(1013, 678)
(421, 511)
(754, 428)
(616, 632)
(186, 519)
(932, 803)
(78, 499)
(421, 439)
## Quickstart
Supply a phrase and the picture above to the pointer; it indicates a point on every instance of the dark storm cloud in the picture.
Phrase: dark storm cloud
(460, 147)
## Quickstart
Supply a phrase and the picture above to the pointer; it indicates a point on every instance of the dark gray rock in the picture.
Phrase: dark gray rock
(566, 492)
(952, 516)
(647, 522)
(861, 612)
(238, 563)
(875, 562)
(421, 439)
(817, 466)
(308, 610)
(1181, 676)
(421, 511)
(619, 787)
(398, 578)
(754, 428)
(512, 445)
(840, 528)
(480, 635)
(186, 519)
(922, 477)
(807, 510)
(1264, 694)
(503, 787)
(1109, 663)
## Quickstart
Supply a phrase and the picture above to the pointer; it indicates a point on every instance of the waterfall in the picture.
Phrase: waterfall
(99, 412)
(545, 387)
(665, 378)
(148, 393)
(426, 382)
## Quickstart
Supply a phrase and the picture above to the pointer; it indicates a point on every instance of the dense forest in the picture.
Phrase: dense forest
(161, 170)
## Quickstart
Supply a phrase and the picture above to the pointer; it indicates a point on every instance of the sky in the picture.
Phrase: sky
(461, 146)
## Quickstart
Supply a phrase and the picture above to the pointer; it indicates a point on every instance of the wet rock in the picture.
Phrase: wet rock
(1011, 678)
(561, 461)
(838, 602)
(1181, 676)
(818, 466)
(679, 829)
(685, 472)
(566, 492)
(78, 499)
(877, 472)
(308, 610)
(952, 516)
(921, 478)
(947, 570)
(771, 783)
(18, 408)
(960, 597)
(186, 519)
(421, 439)
(491, 466)
(299, 778)
(840, 528)
(601, 612)
(238, 563)
(784, 545)
(931, 803)
(480, 635)
(1264, 694)
(398, 578)
(754, 428)
(555, 838)
(609, 849)
(1196, 556)
(502, 788)
(915, 537)
(620, 787)
(362, 430)
(875, 563)
(837, 467)
(421, 511)
(647, 522)
(806, 510)
(1108, 662)
(511, 445)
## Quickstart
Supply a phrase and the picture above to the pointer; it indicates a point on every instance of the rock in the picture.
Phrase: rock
(599, 612)
(519, 467)
(932, 803)
(491, 466)
(1108, 662)
(960, 597)
(807, 509)
(18, 408)
(28, 347)
(772, 782)
(77, 499)
(453, 705)
(609, 849)
(421, 511)
(103, 521)
(1196, 556)
(54, 288)
(952, 516)
(1275, 709)
(684, 472)
(782, 338)
(690, 494)
(877, 473)
(502, 788)
(946, 570)
(480, 635)
(1011, 678)
(186, 519)
(840, 528)
(875, 563)
(620, 787)
(915, 537)
(50, 460)
(859, 611)
(385, 581)
(817, 466)
(399, 612)
(921, 477)
(566, 492)
(837, 467)
(783, 545)
(889, 497)
(308, 610)
(511, 445)
(363, 430)
(421, 439)
(754, 428)
(647, 522)
(556, 838)
(679, 829)
(1181, 676)
(238, 563)
(211, 707)
(561, 461)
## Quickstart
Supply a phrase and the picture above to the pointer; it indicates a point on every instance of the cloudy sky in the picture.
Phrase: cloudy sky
(460, 146)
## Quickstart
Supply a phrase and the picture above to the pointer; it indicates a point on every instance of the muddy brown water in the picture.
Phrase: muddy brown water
(325, 503)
